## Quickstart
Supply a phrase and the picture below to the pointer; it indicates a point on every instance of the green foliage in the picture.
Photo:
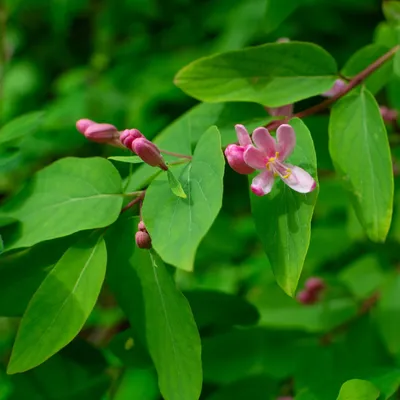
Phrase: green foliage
(177, 224)
(357, 389)
(271, 74)
(360, 151)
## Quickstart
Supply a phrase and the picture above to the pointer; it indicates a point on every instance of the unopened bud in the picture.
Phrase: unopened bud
(388, 114)
(234, 155)
(149, 153)
(283, 40)
(101, 133)
(314, 284)
(83, 124)
(128, 136)
(143, 240)
(142, 227)
(283, 111)
(306, 297)
(338, 86)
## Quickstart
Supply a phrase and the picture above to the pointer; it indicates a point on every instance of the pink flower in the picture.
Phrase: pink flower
(283, 111)
(269, 156)
(388, 114)
(100, 133)
(235, 154)
(338, 86)
(146, 150)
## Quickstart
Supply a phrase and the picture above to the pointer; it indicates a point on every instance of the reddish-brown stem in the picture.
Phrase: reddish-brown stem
(352, 84)
(171, 153)
(364, 308)
(133, 202)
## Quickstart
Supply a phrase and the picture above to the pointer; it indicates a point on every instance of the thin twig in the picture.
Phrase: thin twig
(359, 78)
(171, 153)
(133, 202)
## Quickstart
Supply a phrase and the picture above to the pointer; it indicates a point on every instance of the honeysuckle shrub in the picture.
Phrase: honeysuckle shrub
(240, 240)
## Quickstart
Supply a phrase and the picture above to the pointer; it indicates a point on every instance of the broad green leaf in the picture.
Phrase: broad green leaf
(283, 217)
(391, 10)
(24, 125)
(385, 35)
(61, 305)
(159, 314)
(177, 225)
(127, 159)
(71, 195)
(175, 185)
(387, 381)
(360, 152)
(388, 311)
(357, 389)
(222, 309)
(185, 132)
(273, 74)
(362, 59)
(137, 384)
(253, 387)
(22, 273)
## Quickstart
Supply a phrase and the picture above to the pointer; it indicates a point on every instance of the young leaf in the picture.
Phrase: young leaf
(273, 74)
(360, 151)
(61, 305)
(175, 185)
(71, 195)
(283, 217)
(128, 159)
(157, 311)
(357, 389)
(177, 225)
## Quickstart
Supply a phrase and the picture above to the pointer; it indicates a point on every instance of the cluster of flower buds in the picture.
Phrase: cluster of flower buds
(146, 150)
(132, 139)
(312, 291)
(142, 237)
(263, 153)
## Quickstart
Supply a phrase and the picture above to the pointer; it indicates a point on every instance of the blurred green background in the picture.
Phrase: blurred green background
(114, 61)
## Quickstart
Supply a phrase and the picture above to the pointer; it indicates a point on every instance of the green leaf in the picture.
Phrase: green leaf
(277, 12)
(362, 59)
(185, 132)
(175, 185)
(391, 10)
(357, 389)
(129, 159)
(388, 310)
(177, 225)
(158, 312)
(360, 151)
(137, 384)
(61, 305)
(22, 273)
(273, 74)
(222, 309)
(20, 127)
(71, 195)
(283, 217)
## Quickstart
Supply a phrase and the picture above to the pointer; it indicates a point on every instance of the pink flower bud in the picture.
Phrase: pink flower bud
(142, 227)
(338, 86)
(83, 124)
(235, 157)
(306, 297)
(314, 285)
(148, 152)
(143, 240)
(101, 133)
(388, 115)
(283, 40)
(128, 136)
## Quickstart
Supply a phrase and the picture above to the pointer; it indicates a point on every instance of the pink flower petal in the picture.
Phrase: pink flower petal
(242, 135)
(286, 141)
(234, 155)
(255, 158)
(299, 180)
(262, 183)
(264, 141)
